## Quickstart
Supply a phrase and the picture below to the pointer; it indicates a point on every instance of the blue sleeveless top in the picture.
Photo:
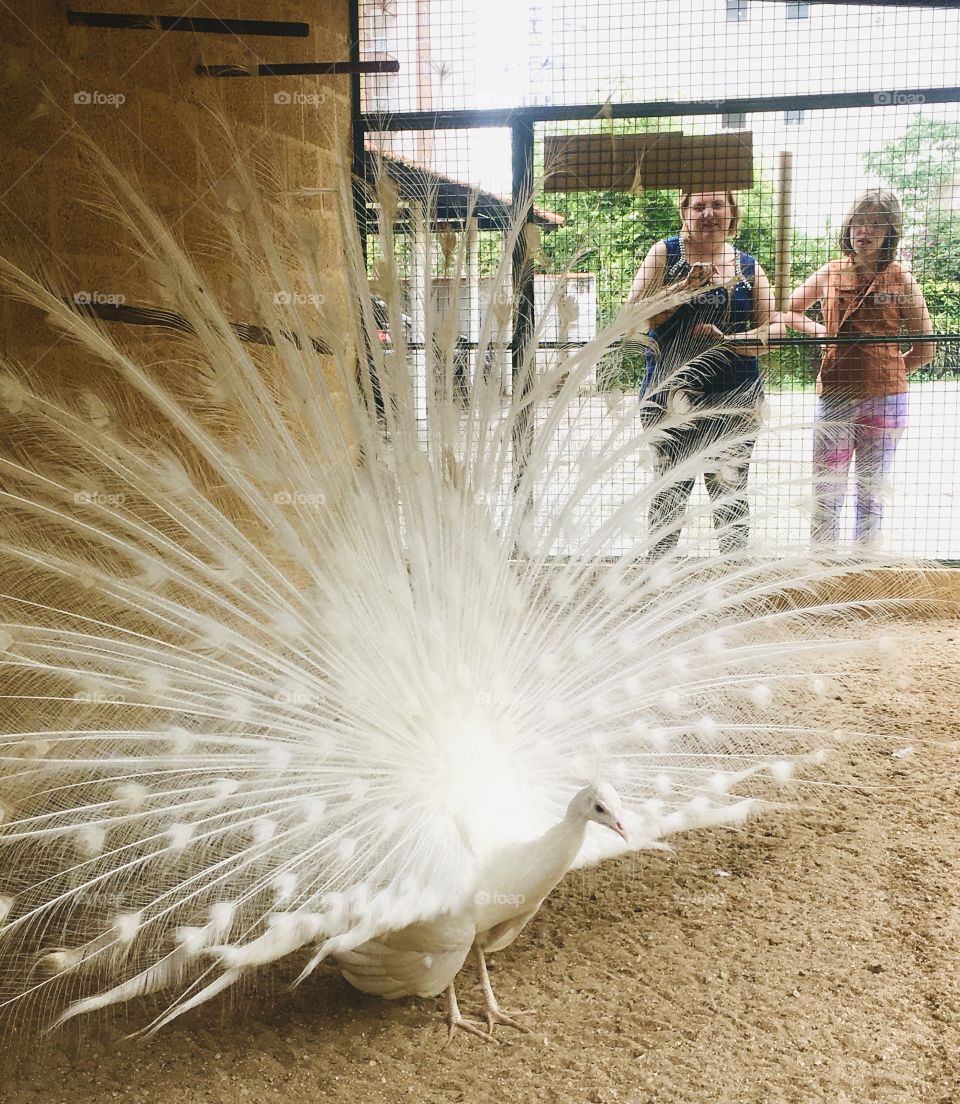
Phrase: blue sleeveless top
(721, 370)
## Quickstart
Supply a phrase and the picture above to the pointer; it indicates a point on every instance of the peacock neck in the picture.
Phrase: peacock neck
(561, 844)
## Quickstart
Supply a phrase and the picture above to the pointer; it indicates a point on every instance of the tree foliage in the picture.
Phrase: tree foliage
(919, 164)
(922, 167)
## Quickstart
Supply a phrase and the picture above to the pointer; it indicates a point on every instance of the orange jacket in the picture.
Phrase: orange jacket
(850, 307)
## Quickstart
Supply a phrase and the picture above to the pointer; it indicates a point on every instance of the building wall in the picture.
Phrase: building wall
(136, 93)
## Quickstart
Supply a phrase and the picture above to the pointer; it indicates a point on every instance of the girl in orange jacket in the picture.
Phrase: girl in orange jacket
(862, 387)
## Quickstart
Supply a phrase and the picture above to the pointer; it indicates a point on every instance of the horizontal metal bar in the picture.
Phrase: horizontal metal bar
(774, 342)
(872, 339)
(299, 69)
(875, 3)
(812, 342)
(116, 21)
(456, 120)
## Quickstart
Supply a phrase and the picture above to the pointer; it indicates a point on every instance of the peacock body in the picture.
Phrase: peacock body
(290, 671)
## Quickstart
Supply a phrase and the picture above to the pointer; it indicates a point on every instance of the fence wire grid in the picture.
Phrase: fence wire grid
(610, 110)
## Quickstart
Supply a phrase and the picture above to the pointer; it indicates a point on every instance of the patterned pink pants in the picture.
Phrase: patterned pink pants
(864, 432)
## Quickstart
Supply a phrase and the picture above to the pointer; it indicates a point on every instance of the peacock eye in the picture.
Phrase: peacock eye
(599, 809)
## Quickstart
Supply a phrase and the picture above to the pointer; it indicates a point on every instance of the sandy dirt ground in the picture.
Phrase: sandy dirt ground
(812, 956)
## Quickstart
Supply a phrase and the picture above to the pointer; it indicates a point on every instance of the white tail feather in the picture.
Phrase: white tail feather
(280, 668)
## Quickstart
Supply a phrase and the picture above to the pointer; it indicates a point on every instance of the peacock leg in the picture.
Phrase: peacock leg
(492, 1010)
(456, 1022)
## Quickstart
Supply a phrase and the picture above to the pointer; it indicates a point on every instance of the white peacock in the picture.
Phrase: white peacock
(282, 675)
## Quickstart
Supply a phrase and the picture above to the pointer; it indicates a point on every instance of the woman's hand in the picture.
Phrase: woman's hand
(707, 331)
(756, 338)
(700, 275)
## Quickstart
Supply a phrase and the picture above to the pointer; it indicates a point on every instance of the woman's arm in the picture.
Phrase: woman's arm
(916, 320)
(813, 290)
(649, 279)
(763, 308)
(763, 313)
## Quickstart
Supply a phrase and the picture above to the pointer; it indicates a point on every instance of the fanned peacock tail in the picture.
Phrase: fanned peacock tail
(283, 665)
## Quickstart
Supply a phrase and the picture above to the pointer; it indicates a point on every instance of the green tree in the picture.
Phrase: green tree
(922, 167)
(608, 233)
(919, 164)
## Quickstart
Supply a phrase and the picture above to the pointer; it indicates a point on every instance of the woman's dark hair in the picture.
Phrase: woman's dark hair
(887, 208)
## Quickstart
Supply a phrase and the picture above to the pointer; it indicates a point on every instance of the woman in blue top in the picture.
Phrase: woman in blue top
(704, 359)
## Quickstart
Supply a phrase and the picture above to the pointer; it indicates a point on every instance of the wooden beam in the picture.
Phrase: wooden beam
(298, 68)
(171, 320)
(783, 262)
(129, 21)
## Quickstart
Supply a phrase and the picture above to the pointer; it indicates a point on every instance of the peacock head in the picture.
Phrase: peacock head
(600, 803)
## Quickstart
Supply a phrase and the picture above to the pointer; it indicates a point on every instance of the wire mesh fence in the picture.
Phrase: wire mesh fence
(611, 112)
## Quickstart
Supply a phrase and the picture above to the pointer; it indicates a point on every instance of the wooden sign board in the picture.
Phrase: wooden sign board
(627, 162)
(700, 162)
(594, 162)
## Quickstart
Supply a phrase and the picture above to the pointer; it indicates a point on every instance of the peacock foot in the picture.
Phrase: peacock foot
(456, 1022)
(492, 1010)
(471, 1028)
(496, 1015)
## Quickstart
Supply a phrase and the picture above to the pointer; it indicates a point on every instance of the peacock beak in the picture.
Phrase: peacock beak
(621, 831)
